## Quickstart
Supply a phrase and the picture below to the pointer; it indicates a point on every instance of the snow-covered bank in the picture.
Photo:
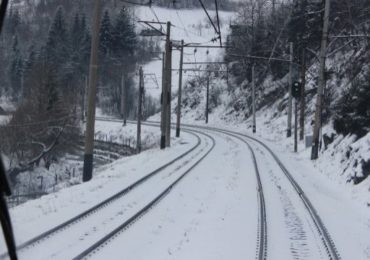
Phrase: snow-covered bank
(339, 163)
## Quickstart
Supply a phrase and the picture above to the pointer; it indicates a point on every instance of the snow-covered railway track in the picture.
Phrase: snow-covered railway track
(59, 232)
(262, 218)
(146, 208)
(323, 234)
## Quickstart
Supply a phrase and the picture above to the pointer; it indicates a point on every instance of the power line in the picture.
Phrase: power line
(218, 23)
(35, 123)
(3, 6)
(186, 31)
(135, 3)
(156, 17)
(209, 17)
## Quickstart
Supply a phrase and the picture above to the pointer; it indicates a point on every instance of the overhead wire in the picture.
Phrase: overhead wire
(209, 17)
(3, 7)
(218, 23)
(36, 123)
(182, 24)
(185, 30)
(135, 3)
(156, 17)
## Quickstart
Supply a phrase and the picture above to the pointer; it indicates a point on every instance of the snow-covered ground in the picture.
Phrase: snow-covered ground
(211, 214)
(37, 216)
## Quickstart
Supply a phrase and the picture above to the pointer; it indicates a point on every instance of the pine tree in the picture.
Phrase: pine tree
(304, 24)
(28, 69)
(106, 37)
(124, 37)
(57, 42)
(16, 69)
(75, 33)
(13, 21)
(85, 44)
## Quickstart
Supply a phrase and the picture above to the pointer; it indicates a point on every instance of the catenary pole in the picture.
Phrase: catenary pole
(295, 125)
(84, 98)
(123, 100)
(163, 104)
(321, 86)
(139, 110)
(166, 91)
(179, 97)
(207, 98)
(290, 100)
(254, 99)
(303, 98)
(169, 97)
(90, 124)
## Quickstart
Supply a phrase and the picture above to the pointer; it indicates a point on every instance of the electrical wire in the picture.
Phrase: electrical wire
(209, 17)
(134, 3)
(156, 17)
(37, 122)
(3, 7)
(185, 30)
(182, 24)
(218, 23)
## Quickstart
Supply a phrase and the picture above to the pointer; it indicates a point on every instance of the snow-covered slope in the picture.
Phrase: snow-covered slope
(192, 26)
(345, 161)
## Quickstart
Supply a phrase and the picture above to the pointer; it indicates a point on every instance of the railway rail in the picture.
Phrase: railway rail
(114, 233)
(326, 239)
(95, 209)
(262, 250)
(324, 235)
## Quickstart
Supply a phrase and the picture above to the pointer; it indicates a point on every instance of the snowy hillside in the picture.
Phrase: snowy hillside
(192, 26)
(108, 183)
(344, 159)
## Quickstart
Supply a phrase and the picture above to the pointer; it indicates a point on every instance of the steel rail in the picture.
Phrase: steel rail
(326, 239)
(102, 204)
(262, 218)
(106, 239)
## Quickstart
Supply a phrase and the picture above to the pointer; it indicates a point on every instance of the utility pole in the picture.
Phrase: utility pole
(180, 90)
(166, 90)
(254, 99)
(207, 98)
(163, 106)
(169, 97)
(139, 110)
(295, 125)
(90, 124)
(290, 105)
(303, 98)
(84, 94)
(322, 82)
(123, 100)
(22, 87)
